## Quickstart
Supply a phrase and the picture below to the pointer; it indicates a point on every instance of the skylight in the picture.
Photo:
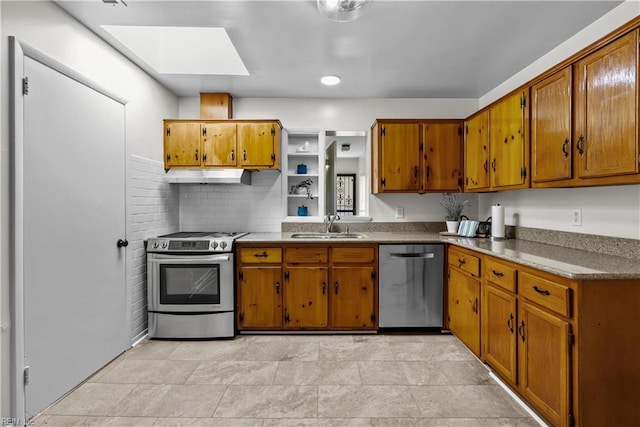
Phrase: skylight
(181, 50)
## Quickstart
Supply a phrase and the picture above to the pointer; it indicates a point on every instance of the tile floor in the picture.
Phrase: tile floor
(292, 380)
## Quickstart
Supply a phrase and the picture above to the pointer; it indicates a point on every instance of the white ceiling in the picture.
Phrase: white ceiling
(399, 49)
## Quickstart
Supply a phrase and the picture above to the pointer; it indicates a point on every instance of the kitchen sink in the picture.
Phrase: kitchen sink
(327, 236)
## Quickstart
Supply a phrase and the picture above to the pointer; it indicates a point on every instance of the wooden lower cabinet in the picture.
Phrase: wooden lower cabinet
(319, 287)
(305, 297)
(498, 331)
(544, 362)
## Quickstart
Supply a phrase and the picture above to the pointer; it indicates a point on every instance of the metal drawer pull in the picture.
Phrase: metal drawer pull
(262, 255)
(540, 291)
(521, 330)
(462, 261)
(497, 273)
(422, 255)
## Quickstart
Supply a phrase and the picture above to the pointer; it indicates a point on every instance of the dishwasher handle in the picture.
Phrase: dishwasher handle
(412, 255)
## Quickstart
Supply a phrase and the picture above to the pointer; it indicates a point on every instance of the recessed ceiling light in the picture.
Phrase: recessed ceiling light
(330, 80)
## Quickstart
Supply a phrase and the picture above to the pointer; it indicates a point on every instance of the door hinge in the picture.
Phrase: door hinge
(459, 130)
(168, 131)
(25, 85)
(523, 101)
(286, 318)
(572, 420)
(241, 318)
(572, 337)
(373, 275)
(422, 146)
(273, 131)
(523, 173)
(26, 375)
(273, 157)
(383, 182)
(382, 131)
(241, 275)
(373, 317)
(286, 275)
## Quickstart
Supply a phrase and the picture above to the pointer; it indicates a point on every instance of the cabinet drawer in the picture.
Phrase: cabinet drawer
(260, 255)
(306, 255)
(465, 262)
(500, 274)
(551, 295)
(346, 255)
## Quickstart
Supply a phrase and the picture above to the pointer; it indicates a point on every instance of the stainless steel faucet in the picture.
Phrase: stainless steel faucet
(329, 219)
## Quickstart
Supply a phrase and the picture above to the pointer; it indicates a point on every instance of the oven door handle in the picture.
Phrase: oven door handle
(189, 258)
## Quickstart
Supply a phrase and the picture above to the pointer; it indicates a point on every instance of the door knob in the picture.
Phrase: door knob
(123, 243)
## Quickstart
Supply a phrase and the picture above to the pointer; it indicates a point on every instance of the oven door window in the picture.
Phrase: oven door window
(189, 284)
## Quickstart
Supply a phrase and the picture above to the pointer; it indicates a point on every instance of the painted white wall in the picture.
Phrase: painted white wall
(47, 28)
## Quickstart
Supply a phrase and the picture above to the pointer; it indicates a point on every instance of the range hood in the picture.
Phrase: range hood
(208, 176)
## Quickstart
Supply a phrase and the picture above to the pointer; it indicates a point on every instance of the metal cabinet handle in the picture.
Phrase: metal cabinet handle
(564, 147)
(521, 330)
(541, 291)
(324, 287)
(122, 243)
(335, 286)
(244, 154)
(277, 287)
(475, 306)
(493, 164)
(233, 155)
(497, 273)
(580, 144)
(415, 171)
(510, 322)
(486, 166)
(262, 255)
(196, 154)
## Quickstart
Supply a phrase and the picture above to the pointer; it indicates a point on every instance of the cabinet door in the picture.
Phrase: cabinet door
(257, 145)
(544, 362)
(306, 297)
(259, 297)
(352, 291)
(181, 144)
(476, 146)
(442, 156)
(219, 144)
(399, 157)
(498, 325)
(606, 140)
(464, 309)
(551, 128)
(507, 130)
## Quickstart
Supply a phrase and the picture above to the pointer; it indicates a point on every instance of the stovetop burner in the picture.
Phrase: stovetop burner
(194, 242)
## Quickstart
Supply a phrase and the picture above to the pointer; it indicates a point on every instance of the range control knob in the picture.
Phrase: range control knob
(214, 245)
(155, 245)
(164, 245)
(223, 245)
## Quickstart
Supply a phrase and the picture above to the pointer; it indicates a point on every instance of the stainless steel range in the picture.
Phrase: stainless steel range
(190, 285)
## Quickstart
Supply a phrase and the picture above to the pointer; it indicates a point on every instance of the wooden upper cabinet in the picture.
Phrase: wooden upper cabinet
(219, 144)
(508, 142)
(476, 149)
(551, 147)
(442, 156)
(398, 153)
(182, 144)
(258, 145)
(606, 110)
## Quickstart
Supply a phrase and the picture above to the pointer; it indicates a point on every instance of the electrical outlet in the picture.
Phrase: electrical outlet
(576, 217)
(399, 212)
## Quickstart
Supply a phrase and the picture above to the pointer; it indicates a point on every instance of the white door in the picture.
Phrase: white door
(75, 313)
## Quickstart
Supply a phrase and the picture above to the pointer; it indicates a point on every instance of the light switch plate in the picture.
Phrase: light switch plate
(576, 217)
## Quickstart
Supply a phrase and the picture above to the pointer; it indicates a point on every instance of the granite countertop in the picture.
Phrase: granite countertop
(570, 263)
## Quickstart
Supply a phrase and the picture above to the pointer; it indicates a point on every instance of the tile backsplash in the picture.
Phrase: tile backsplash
(256, 207)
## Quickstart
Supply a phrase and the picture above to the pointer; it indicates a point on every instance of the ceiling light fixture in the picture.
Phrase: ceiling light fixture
(330, 80)
(343, 10)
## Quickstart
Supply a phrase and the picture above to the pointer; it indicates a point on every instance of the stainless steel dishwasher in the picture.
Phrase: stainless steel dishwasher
(411, 285)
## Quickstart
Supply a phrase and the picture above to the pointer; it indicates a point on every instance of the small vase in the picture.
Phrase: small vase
(452, 226)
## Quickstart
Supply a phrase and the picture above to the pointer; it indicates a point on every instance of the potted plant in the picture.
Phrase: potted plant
(453, 204)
